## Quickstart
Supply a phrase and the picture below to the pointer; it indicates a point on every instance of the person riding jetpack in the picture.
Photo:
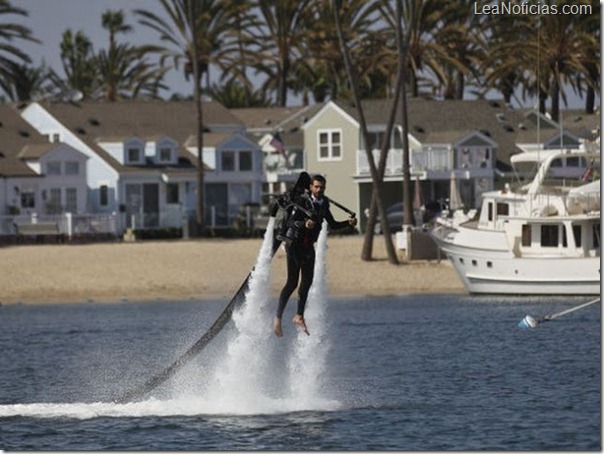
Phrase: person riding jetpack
(305, 207)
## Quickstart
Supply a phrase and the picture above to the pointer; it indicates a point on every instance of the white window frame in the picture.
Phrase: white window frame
(239, 156)
(330, 145)
(141, 154)
(223, 155)
(56, 165)
(103, 184)
(71, 200)
(165, 149)
(72, 168)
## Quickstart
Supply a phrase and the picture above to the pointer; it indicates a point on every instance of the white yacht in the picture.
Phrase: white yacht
(540, 238)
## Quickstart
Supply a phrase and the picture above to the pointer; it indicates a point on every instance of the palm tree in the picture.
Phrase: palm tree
(421, 21)
(25, 82)
(194, 34)
(122, 68)
(237, 59)
(11, 56)
(458, 41)
(323, 65)
(278, 39)
(562, 46)
(234, 95)
(79, 63)
(502, 65)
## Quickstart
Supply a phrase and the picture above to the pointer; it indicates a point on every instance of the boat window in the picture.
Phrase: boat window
(557, 162)
(526, 235)
(549, 236)
(474, 263)
(503, 209)
(577, 235)
(461, 260)
(564, 240)
(490, 211)
(596, 235)
(489, 264)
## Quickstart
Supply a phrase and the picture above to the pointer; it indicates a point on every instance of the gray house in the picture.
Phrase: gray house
(142, 158)
(37, 176)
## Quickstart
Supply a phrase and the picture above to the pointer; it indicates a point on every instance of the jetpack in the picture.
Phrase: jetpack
(299, 189)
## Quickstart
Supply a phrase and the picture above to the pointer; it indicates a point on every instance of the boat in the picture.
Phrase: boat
(539, 238)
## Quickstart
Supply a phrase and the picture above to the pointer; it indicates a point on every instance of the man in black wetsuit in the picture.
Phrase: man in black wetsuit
(300, 247)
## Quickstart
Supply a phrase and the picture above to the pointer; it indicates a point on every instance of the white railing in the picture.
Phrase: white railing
(69, 224)
(419, 161)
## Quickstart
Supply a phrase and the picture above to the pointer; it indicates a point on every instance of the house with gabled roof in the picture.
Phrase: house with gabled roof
(36, 176)
(143, 158)
(469, 142)
(278, 130)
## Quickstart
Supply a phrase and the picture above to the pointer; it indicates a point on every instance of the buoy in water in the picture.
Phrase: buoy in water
(528, 322)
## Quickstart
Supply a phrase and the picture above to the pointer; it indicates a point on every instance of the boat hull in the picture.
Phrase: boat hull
(499, 271)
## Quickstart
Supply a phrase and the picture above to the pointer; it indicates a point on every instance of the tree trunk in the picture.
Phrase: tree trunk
(377, 182)
(197, 76)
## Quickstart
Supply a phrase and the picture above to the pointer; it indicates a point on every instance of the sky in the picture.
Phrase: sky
(48, 19)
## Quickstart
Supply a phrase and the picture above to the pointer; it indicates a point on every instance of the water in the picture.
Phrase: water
(415, 372)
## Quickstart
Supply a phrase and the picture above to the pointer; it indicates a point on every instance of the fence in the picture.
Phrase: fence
(71, 225)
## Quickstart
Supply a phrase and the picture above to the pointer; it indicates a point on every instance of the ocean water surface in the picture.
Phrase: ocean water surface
(412, 372)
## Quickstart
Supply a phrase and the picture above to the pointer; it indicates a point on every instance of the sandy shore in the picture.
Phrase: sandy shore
(209, 269)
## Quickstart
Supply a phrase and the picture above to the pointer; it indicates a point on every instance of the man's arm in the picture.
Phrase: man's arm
(333, 224)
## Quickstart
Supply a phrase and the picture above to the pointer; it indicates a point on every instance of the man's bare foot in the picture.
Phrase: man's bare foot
(277, 327)
(299, 322)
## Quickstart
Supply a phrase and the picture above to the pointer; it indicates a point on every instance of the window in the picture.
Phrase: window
(103, 195)
(596, 235)
(53, 168)
(71, 200)
(526, 235)
(165, 154)
(134, 156)
(228, 161)
(28, 199)
(53, 137)
(72, 168)
(465, 159)
(375, 140)
(503, 209)
(549, 236)
(53, 204)
(330, 145)
(245, 161)
(172, 193)
(577, 235)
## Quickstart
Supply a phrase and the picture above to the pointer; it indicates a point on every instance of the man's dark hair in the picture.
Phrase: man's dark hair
(319, 178)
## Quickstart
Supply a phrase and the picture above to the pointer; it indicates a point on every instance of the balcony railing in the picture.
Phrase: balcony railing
(419, 160)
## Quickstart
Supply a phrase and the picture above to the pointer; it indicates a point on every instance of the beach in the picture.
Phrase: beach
(200, 269)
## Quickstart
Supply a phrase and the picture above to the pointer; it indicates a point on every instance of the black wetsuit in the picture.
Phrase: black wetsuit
(301, 254)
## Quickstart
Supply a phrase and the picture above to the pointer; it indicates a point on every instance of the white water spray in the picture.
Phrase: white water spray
(241, 379)
(307, 364)
(247, 379)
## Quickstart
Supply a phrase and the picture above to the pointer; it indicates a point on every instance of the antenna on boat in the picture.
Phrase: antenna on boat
(530, 322)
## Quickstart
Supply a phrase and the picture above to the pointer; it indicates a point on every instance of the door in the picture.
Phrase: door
(151, 204)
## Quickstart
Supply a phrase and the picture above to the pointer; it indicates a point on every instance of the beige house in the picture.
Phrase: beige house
(469, 142)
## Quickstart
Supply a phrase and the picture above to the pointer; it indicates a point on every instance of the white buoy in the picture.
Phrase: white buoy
(528, 322)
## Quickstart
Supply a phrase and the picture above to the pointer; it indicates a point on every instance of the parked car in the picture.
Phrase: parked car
(394, 216)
